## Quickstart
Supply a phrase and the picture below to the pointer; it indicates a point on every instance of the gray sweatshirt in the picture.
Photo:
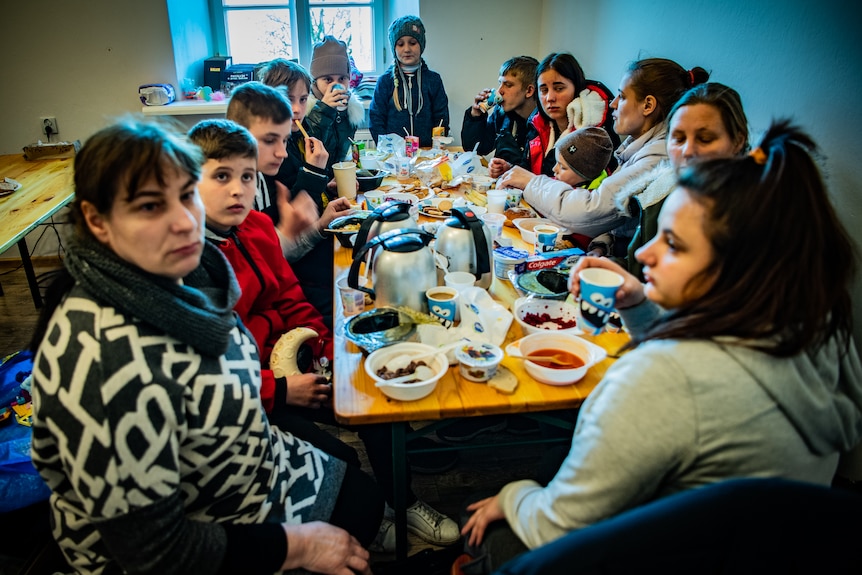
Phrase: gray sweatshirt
(675, 415)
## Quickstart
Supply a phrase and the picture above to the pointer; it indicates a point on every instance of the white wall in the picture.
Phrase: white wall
(784, 57)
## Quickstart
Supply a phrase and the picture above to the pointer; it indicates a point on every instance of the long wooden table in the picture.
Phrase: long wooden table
(46, 186)
(358, 401)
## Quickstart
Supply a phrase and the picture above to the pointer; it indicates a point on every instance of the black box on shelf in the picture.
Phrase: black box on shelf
(213, 69)
(235, 75)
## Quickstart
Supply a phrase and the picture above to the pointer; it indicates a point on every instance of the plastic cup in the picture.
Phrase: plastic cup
(443, 303)
(494, 223)
(497, 201)
(345, 179)
(352, 300)
(374, 199)
(459, 280)
(598, 298)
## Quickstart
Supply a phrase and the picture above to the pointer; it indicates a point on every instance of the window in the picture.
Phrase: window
(253, 31)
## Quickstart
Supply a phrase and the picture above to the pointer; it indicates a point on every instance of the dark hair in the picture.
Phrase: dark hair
(521, 67)
(220, 138)
(281, 72)
(724, 99)
(791, 291)
(255, 100)
(125, 155)
(664, 80)
(566, 66)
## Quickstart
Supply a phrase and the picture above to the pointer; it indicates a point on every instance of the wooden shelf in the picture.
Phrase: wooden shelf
(187, 108)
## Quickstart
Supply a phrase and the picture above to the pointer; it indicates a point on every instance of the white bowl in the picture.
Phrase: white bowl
(559, 312)
(406, 391)
(550, 341)
(526, 225)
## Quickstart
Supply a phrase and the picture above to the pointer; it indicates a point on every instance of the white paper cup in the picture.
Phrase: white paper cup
(345, 179)
(352, 300)
(497, 201)
(374, 199)
(546, 237)
(459, 280)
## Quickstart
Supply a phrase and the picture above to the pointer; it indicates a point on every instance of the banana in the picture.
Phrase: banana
(282, 360)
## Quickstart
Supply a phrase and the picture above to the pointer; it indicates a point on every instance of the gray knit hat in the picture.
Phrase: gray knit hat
(407, 26)
(586, 151)
(329, 57)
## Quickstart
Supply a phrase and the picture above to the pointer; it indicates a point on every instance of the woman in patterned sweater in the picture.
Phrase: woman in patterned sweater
(148, 426)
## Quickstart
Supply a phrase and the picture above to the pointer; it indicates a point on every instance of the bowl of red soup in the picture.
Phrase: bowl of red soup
(558, 358)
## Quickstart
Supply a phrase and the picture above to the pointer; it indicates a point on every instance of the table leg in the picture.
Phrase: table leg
(28, 271)
(399, 487)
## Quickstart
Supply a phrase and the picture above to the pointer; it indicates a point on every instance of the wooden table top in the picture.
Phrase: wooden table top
(46, 186)
(357, 400)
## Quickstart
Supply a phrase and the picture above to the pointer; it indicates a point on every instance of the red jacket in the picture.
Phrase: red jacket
(537, 146)
(272, 302)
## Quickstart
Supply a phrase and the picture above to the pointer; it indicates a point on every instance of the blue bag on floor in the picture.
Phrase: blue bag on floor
(20, 484)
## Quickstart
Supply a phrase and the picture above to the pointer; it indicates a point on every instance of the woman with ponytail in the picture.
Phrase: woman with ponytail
(743, 361)
(648, 90)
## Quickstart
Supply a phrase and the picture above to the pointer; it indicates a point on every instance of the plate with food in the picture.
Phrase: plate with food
(441, 208)
(8, 185)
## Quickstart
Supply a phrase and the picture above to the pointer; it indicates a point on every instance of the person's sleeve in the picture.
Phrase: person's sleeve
(377, 109)
(636, 428)
(477, 130)
(639, 317)
(581, 211)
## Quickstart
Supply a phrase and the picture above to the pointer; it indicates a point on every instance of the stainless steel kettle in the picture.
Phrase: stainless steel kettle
(387, 217)
(402, 268)
(467, 244)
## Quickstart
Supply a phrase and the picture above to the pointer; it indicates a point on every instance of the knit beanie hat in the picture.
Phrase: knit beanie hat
(330, 57)
(586, 151)
(407, 26)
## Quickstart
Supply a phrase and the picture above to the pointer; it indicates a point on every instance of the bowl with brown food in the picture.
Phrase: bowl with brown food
(423, 362)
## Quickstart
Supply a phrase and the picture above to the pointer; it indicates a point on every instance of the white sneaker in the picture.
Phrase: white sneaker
(385, 540)
(430, 525)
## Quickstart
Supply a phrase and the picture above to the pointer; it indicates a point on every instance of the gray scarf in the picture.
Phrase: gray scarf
(198, 312)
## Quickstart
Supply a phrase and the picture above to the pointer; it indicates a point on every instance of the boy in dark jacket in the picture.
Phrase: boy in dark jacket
(502, 125)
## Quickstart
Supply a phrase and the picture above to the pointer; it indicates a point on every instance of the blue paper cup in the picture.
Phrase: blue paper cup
(598, 298)
(443, 303)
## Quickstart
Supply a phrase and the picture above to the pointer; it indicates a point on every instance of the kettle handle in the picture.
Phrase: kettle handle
(383, 212)
(353, 274)
(483, 262)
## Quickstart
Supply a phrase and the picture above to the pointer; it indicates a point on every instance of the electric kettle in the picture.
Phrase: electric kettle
(402, 268)
(466, 243)
(387, 217)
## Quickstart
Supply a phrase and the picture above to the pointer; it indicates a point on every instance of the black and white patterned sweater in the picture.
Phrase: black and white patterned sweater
(146, 444)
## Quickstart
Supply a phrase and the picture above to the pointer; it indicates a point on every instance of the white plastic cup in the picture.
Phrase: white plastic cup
(494, 222)
(345, 179)
(352, 300)
(497, 201)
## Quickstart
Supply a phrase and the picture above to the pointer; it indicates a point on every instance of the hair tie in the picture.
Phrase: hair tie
(759, 156)
(691, 77)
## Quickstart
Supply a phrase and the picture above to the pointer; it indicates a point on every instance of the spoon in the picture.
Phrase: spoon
(422, 373)
(557, 359)
(404, 360)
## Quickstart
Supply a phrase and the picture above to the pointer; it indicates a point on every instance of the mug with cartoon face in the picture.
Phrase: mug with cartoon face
(443, 303)
(598, 298)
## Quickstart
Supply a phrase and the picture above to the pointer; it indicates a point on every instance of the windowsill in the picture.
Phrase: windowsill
(186, 108)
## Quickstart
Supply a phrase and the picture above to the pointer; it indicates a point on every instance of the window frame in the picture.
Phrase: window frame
(300, 22)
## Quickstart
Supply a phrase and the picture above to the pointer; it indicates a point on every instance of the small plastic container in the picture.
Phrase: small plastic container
(506, 258)
(478, 361)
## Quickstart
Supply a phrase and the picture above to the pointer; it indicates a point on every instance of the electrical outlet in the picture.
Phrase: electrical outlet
(52, 122)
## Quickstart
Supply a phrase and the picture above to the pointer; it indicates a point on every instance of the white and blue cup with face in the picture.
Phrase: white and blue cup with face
(598, 298)
(546, 238)
(443, 303)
